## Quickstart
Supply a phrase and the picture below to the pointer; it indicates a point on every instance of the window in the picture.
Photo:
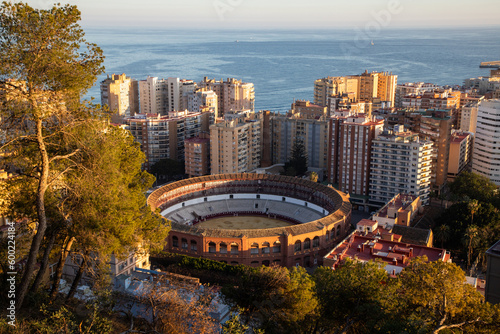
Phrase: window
(223, 248)
(254, 249)
(194, 246)
(316, 242)
(277, 247)
(211, 247)
(175, 241)
(184, 243)
(231, 196)
(265, 248)
(257, 196)
(338, 230)
(307, 243)
(298, 246)
(234, 249)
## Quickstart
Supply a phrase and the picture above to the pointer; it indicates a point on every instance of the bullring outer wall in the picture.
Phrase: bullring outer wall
(301, 244)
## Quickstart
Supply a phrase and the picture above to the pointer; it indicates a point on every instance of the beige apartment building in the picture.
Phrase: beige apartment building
(163, 136)
(235, 145)
(369, 87)
(460, 153)
(120, 93)
(232, 94)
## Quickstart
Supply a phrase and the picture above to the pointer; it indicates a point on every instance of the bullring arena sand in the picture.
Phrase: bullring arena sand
(242, 223)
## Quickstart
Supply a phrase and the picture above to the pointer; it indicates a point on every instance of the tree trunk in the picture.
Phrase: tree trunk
(45, 262)
(60, 265)
(42, 219)
(78, 276)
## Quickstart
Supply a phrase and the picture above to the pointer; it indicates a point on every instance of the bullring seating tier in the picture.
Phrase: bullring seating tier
(296, 213)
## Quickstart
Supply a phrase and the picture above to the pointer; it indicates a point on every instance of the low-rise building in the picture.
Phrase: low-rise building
(370, 242)
(400, 210)
(492, 292)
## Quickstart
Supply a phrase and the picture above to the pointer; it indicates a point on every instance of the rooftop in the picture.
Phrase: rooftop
(396, 255)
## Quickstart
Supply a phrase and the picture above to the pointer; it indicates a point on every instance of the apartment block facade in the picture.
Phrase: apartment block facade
(486, 157)
(163, 136)
(236, 144)
(197, 155)
(232, 94)
(312, 133)
(400, 163)
(120, 93)
(356, 135)
(460, 153)
(368, 87)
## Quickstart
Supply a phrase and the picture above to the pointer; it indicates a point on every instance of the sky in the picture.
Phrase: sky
(284, 14)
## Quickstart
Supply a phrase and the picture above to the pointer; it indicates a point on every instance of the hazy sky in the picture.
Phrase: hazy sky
(258, 14)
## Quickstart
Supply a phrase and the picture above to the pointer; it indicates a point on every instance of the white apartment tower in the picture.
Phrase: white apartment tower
(400, 163)
(486, 156)
(161, 96)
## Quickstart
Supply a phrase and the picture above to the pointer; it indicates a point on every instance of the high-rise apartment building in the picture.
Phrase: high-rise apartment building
(197, 155)
(400, 163)
(411, 88)
(163, 136)
(436, 125)
(232, 94)
(374, 87)
(161, 96)
(460, 153)
(200, 99)
(120, 94)
(235, 145)
(312, 133)
(468, 117)
(486, 157)
(356, 134)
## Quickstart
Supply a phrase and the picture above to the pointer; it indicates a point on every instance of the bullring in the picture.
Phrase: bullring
(317, 216)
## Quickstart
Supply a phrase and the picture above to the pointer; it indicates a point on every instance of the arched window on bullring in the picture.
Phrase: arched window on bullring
(223, 248)
(194, 246)
(276, 262)
(234, 248)
(327, 235)
(211, 247)
(277, 247)
(298, 246)
(316, 242)
(254, 263)
(234, 262)
(338, 230)
(175, 241)
(266, 263)
(307, 243)
(266, 248)
(184, 243)
(254, 248)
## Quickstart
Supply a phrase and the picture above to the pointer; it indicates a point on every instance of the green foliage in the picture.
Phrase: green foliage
(473, 186)
(357, 296)
(234, 325)
(436, 297)
(46, 49)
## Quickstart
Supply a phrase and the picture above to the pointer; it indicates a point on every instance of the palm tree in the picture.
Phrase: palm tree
(473, 206)
(471, 238)
(442, 234)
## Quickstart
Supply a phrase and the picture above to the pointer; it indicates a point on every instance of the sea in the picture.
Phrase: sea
(283, 64)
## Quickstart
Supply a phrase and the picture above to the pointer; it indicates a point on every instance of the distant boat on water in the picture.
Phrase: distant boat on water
(372, 42)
